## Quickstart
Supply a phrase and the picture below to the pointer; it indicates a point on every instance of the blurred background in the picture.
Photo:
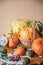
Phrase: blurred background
(19, 9)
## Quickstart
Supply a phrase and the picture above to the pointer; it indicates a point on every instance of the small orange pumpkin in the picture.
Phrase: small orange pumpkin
(36, 59)
(13, 41)
(20, 51)
(37, 46)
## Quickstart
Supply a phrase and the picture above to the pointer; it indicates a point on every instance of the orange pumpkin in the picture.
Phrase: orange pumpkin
(20, 51)
(28, 35)
(37, 46)
(36, 59)
(13, 41)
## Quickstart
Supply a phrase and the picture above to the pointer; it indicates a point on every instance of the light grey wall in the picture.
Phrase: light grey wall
(19, 9)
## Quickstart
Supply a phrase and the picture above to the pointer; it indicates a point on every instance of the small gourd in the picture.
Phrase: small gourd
(37, 25)
(30, 53)
(36, 59)
(25, 60)
(20, 51)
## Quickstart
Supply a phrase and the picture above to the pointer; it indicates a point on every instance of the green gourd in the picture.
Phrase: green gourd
(20, 45)
(25, 60)
(37, 25)
(17, 25)
(30, 53)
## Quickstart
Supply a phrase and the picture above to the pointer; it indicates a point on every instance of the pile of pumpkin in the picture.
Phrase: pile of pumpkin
(27, 38)
(27, 33)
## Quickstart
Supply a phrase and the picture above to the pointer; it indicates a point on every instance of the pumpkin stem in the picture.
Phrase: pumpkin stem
(11, 34)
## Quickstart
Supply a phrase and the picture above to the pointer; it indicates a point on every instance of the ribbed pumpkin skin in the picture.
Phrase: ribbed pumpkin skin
(13, 42)
(37, 46)
(37, 25)
(27, 35)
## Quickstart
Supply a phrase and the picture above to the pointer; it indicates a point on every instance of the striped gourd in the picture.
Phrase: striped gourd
(37, 25)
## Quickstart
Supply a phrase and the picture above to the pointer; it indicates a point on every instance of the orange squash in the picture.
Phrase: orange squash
(28, 35)
(36, 59)
(20, 51)
(37, 46)
(13, 41)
